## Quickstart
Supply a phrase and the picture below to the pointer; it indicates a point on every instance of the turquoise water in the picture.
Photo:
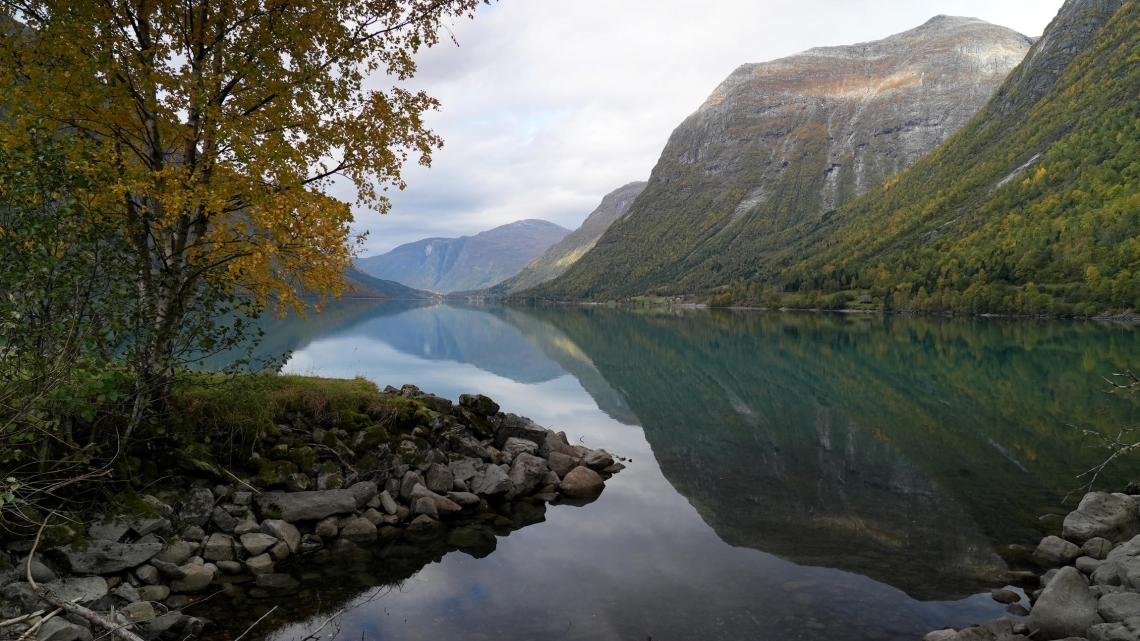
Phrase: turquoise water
(792, 476)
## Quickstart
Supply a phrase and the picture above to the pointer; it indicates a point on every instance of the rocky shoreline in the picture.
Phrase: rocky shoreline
(449, 477)
(1090, 586)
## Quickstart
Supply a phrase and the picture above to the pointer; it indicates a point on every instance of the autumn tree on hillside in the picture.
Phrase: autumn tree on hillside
(223, 124)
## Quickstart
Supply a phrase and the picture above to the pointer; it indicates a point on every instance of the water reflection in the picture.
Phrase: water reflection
(795, 475)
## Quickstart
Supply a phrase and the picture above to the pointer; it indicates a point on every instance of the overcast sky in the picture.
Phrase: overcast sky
(550, 104)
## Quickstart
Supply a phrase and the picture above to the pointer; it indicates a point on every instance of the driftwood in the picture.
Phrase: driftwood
(67, 606)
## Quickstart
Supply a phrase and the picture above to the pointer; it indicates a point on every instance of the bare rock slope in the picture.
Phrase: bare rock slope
(783, 140)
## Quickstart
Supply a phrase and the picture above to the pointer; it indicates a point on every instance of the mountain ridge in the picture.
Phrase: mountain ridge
(780, 141)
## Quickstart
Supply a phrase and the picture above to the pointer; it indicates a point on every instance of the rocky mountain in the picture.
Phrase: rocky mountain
(567, 251)
(447, 265)
(784, 141)
(1032, 208)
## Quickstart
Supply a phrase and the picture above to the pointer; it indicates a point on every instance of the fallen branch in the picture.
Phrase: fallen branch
(39, 624)
(71, 608)
(318, 630)
(342, 461)
(255, 490)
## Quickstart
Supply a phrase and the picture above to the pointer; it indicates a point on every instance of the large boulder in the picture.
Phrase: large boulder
(408, 483)
(106, 557)
(515, 446)
(479, 404)
(439, 478)
(1066, 608)
(492, 480)
(598, 459)
(465, 469)
(526, 473)
(562, 463)
(582, 482)
(1117, 608)
(305, 506)
(219, 547)
(359, 530)
(256, 543)
(195, 578)
(1108, 516)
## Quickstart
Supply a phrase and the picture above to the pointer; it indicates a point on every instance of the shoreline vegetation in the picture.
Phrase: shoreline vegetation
(256, 486)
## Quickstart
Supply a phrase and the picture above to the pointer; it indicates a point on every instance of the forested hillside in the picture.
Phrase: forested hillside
(1033, 208)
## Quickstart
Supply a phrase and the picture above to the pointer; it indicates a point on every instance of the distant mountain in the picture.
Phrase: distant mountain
(1034, 207)
(447, 265)
(567, 251)
(782, 142)
(362, 285)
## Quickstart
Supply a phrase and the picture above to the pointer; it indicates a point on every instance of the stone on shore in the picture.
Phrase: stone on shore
(1126, 631)
(257, 543)
(1056, 551)
(1117, 608)
(582, 482)
(479, 404)
(305, 506)
(492, 480)
(598, 459)
(283, 531)
(1097, 548)
(1103, 515)
(197, 507)
(359, 530)
(106, 557)
(195, 578)
(1065, 608)
(526, 472)
(363, 492)
(562, 463)
(219, 547)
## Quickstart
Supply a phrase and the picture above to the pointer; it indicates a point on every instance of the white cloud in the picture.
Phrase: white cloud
(550, 104)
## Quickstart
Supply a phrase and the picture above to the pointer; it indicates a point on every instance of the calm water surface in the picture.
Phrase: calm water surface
(792, 476)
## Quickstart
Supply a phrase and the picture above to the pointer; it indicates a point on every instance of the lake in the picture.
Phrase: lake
(792, 476)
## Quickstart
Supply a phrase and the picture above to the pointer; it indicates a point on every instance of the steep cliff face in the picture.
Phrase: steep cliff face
(447, 265)
(570, 249)
(781, 141)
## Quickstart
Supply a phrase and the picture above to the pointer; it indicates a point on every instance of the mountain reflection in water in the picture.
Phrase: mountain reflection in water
(910, 451)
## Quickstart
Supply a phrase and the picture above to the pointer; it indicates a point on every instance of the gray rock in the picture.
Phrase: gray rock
(169, 621)
(1121, 566)
(1127, 631)
(465, 469)
(1087, 564)
(260, 564)
(106, 557)
(109, 528)
(177, 552)
(155, 593)
(148, 574)
(330, 480)
(363, 492)
(1103, 515)
(140, 612)
(195, 578)
(561, 463)
(424, 506)
(60, 629)
(1056, 551)
(242, 498)
(439, 478)
(168, 570)
(83, 590)
(1116, 608)
(247, 525)
(283, 531)
(997, 630)
(526, 473)
(598, 459)
(219, 547)
(464, 499)
(1017, 610)
(374, 517)
(431, 503)
(479, 404)
(229, 567)
(327, 529)
(408, 483)
(582, 482)
(1005, 596)
(256, 543)
(280, 552)
(304, 506)
(40, 572)
(1065, 609)
(467, 445)
(492, 480)
(127, 592)
(145, 526)
(1047, 577)
(941, 635)
(387, 502)
(1097, 548)
(223, 521)
(519, 427)
(298, 482)
(197, 507)
(515, 446)
(359, 530)
(194, 533)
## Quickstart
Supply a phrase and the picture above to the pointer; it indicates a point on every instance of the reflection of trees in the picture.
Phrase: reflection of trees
(857, 442)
